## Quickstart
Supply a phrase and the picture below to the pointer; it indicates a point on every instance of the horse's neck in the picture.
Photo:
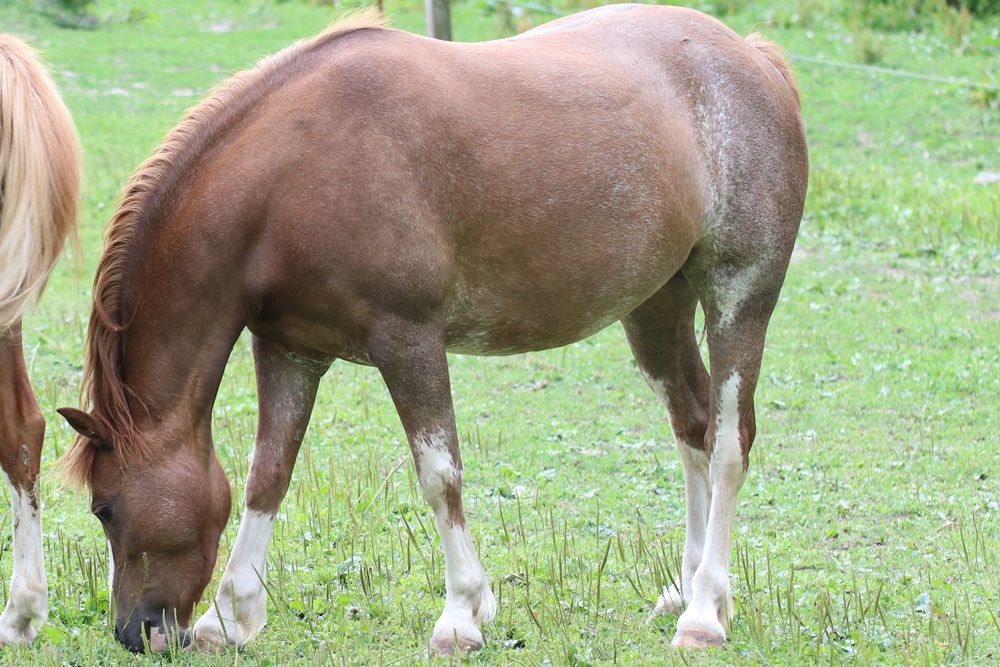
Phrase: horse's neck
(179, 341)
(186, 291)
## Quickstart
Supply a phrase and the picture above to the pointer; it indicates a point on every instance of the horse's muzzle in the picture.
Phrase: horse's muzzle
(151, 634)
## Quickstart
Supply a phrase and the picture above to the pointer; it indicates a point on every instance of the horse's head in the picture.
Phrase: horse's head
(163, 515)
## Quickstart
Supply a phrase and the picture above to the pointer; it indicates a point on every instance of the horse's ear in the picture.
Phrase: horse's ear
(85, 424)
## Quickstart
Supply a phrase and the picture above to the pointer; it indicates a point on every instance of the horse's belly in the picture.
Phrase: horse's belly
(503, 319)
(502, 338)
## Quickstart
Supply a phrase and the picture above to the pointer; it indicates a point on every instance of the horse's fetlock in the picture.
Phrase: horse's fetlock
(242, 590)
(710, 580)
(470, 586)
(29, 599)
(435, 483)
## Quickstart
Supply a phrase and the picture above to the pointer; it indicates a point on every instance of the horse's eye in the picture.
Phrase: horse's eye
(103, 513)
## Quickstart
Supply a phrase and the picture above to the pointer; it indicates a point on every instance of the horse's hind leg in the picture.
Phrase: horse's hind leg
(411, 358)
(22, 430)
(661, 333)
(286, 391)
(738, 284)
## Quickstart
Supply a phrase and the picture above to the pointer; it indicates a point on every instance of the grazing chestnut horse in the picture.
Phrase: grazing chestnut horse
(384, 198)
(39, 185)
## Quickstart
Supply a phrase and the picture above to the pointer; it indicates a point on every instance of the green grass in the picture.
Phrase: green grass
(867, 531)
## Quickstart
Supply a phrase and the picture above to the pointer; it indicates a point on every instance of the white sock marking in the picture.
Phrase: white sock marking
(698, 496)
(240, 608)
(469, 602)
(27, 606)
(698, 501)
(710, 607)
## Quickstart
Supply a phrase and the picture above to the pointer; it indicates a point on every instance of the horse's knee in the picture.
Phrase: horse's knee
(689, 419)
(34, 432)
(689, 428)
(21, 452)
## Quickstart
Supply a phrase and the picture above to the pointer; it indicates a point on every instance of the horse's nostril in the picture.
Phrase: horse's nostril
(161, 637)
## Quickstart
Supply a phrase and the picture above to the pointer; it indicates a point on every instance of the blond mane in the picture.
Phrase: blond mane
(104, 386)
(39, 177)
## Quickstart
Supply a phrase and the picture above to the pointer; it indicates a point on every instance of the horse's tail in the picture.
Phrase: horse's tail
(39, 177)
(778, 59)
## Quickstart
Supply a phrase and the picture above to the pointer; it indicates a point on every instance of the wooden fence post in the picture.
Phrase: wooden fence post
(438, 18)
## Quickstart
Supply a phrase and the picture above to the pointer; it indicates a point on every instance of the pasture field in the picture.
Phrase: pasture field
(867, 531)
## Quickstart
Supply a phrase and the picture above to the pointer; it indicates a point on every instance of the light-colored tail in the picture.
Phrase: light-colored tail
(777, 57)
(39, 177)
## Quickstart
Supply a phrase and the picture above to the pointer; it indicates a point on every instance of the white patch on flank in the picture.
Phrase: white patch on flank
(469, 602)
(711, 604)
(712, 112)
(719, 127)
(240, 608)
(733, 291)
(27, 605)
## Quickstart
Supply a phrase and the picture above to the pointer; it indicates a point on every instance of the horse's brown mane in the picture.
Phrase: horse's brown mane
(104, 386)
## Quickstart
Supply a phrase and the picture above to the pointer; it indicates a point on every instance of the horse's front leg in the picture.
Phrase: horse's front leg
(286, 391)
(22, 430)
(412, 360)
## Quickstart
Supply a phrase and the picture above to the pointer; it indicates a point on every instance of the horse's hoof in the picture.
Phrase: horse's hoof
(697, 638)
(210, 646)
(671, 602)
(16, 633)
(455, 644)
(209, 642)
(213, 636)
(12, 636)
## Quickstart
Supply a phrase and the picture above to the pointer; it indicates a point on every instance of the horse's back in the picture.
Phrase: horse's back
(666, 83)
(536, 189)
